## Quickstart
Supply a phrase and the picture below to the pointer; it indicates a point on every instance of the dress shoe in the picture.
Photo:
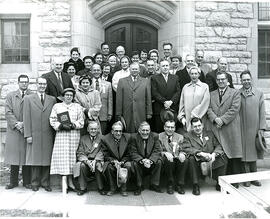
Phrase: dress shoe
(11, 186)
(102, 192)
(47, 188)
(110, 193)
(236, 185)
(196, 189)
(155, 188)
(81, 192)
(170, 190)
(124, 193)
(180, 189)
(35, 188)
(28, 186)
(138, 191)
(246, 184)
(256, 183)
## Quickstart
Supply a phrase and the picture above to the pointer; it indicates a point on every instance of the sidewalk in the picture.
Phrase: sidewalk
(208, 205)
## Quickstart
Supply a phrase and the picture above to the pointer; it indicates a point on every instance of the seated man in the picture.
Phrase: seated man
(174, 159)
(115, 147)
(202, 146)
(90, 159)
(146, 156)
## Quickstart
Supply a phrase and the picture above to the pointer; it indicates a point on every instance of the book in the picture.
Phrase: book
(64, 118)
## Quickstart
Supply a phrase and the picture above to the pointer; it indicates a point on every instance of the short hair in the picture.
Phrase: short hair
(118, 123)
(106, 65)
(143, 50)
(246, 72)
(41, 77)
(103, 44)
(135, 63)
(96, 64)
(164, 60)
(177, 57)
(119, 47)
(169, 121)
(74, 49)
(22, 76)
(165, 44)
(195, 119)
(134, 53)
(195, 67)
(144, 123)
(190, 55)
(93, 122)
(199, 50)
(221, 58)
(97, 54)
(89, 57)
(125, 56)
(222, 72)
(83, 77)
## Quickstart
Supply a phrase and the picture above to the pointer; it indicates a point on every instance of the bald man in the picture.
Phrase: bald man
(57, 80)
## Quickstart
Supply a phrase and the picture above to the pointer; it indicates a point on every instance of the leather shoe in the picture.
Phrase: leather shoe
(110, 193)
(180, 189)
(138, 191)
(102, 192)
(47, 188)
(124, 193)
(170, 190)
(196, 189)
(81, 192)
(155, 188)
(256, 183)
(11, 186)
(35, 188)
(28, 186)
(246, 184)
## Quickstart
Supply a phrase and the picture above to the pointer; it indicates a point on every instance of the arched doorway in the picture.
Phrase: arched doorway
(132, 35)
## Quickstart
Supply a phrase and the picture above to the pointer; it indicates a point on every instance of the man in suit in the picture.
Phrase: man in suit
(116, 149)
(174, 158)
(57, 80)
(89, 159)
(183, 75)
(202, 146)
(211, 77)
(39, 135)
(199, 58)
(133, 99)
(15, 148)
(165, 91)
(146, 156)
(105, 90)
(223, 113)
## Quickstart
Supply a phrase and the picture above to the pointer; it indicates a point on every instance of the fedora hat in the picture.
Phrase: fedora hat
(122, 174)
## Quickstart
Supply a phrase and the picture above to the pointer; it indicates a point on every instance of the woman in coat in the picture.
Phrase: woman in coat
(194, 100)
(67, 135)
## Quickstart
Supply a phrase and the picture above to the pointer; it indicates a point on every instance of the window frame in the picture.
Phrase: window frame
(265, 28)
(7, 19)
(261, 11)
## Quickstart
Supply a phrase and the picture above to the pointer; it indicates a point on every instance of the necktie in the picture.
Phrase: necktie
(220, 95)
(169, 139)
(97, 85)
(23, 94)
(42, 99)
(145, 147)
(60, 80)
(201, 138)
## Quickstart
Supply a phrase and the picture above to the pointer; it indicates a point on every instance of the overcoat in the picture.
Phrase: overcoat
(252, 115)
(110, 149)
(133, 102)
(15, 148)
(229, 135)
(37, 125)
(106, 100)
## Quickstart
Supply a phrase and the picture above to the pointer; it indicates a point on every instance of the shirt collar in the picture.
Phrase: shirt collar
(199, 83)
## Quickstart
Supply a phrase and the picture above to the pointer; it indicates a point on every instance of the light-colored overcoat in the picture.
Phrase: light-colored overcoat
(252, 115)
(37, 125)
(229, 135)
(133, 102)
(106, 100)
(15, 147)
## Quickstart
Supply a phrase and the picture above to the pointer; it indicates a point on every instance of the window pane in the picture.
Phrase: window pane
(264, 11)
(24, 28)
(9, 29)
(264, 54)
(24, 42)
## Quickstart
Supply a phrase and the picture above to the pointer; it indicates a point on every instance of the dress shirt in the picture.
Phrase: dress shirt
(165, 77)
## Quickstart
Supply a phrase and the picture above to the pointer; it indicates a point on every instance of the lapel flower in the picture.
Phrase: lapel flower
(206, 138)
(95, 145)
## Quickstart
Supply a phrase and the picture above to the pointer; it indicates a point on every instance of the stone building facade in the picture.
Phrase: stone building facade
(227, 29)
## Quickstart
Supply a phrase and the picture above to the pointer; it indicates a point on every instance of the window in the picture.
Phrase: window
(15, 41)
(264, 53)
(264, 11)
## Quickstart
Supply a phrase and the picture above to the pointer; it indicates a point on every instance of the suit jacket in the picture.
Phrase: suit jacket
(162, 91)
(110, 150)
(153, 148)
(36, 125)
(106, 100)
(133, 102)
(15, 147)
(53, 87)
(184, 77)
(168, 147)
(229, 135)
(211, 78)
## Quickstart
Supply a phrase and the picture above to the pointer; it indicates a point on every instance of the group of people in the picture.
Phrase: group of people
(113, 118)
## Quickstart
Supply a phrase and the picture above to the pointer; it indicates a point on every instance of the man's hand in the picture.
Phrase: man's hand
(184, 121)
(148, 116)
(206, 156)
(167, 104)
(29, 140)
(19, 125)
(181, 157)
(213, 157)
(219, 121)
(169, 156)
(147, 163)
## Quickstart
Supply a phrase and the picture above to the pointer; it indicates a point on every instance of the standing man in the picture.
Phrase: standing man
(145, 153)
(199, 57)
(167, 50)
(183, 74)
(57, 80)
(174, 158)
(105, 90)
(166, 94)
(211, 77)
(39, 135)
(252, 115)
(15, 148)
(105, 50)
(133, 99)
(116, 149)
(223, 113)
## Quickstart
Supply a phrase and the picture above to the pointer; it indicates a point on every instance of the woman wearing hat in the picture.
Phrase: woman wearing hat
(194, 100)
(67, 119)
